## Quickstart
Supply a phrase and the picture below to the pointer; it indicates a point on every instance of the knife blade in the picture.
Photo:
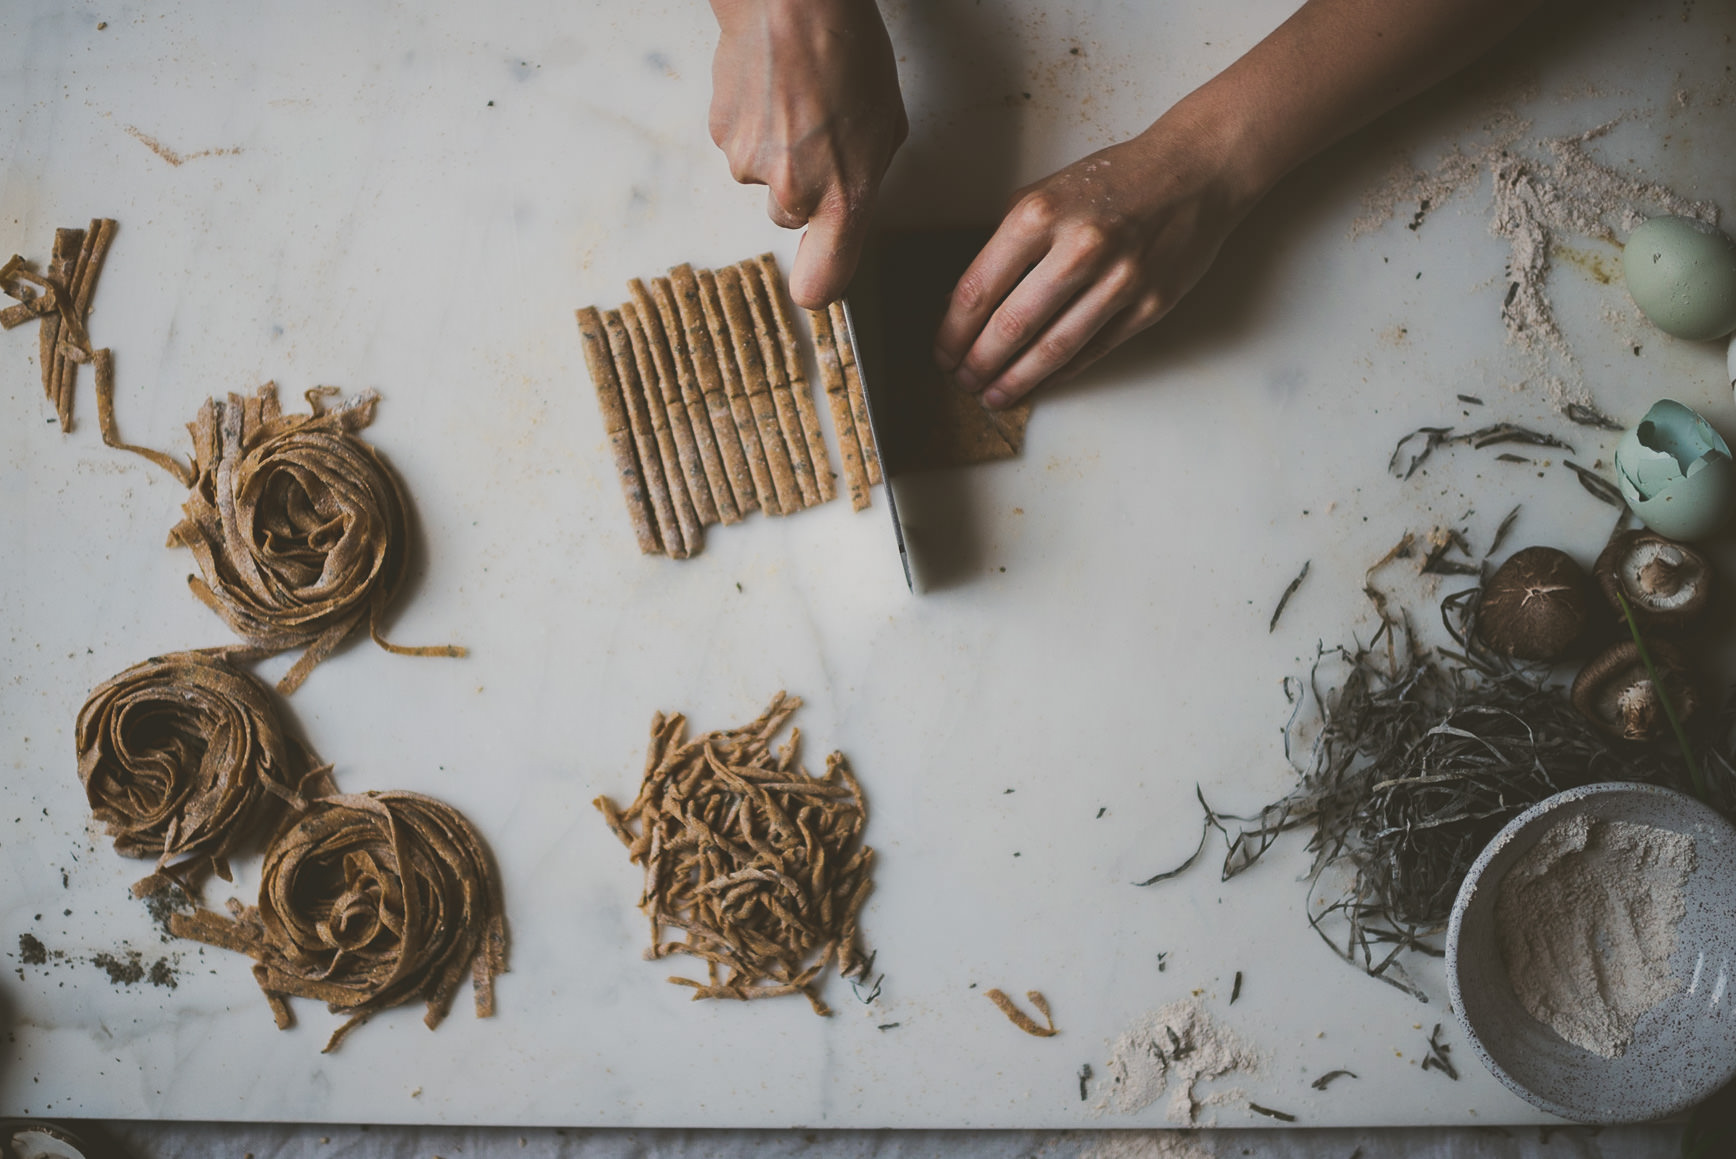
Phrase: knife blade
(864, 358)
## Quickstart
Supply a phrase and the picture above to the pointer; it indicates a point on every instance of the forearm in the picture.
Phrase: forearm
(1330, 69)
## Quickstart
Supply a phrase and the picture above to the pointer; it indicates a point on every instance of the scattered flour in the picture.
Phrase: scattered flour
(1587, 922)
(1541, 193)
(1146, 1145)
(1173, 1049)
(1124, 1144)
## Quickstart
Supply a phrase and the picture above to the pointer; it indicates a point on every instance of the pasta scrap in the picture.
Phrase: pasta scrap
(1022, 1020)
(60, 298)
(183, 759)
(366, 902)
(297, 525)
(757, 863)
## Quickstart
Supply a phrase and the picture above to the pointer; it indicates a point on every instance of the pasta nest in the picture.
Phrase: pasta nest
(297, 525)
(183, 759)
(368, 901)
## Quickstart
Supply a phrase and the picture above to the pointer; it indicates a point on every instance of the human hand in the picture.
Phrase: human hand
(1087, 258)
(805, 100)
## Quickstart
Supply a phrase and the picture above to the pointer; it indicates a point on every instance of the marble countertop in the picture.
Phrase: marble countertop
(413, 199)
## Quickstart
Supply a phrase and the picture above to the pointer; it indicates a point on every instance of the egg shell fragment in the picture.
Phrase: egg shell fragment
(1676, 473)
(1681, 273)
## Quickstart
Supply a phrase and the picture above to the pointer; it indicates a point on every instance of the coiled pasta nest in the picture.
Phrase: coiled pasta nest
(183, 759)
(368, 901)
(297, 525)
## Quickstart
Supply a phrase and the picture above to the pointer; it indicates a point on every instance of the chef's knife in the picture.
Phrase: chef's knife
(867, 355)
(893, 309)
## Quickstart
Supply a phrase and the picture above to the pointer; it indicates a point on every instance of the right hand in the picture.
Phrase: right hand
(805, 101)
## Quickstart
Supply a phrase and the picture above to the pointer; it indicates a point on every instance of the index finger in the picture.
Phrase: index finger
(827, 256)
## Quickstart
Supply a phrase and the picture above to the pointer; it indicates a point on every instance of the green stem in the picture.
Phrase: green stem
(1664, 699)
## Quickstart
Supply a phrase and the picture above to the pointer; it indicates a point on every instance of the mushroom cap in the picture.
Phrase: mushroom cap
(1615, 692)
(1665, 583)
(1535, 605)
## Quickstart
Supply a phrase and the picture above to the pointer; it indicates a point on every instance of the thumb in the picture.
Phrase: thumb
(829, 251)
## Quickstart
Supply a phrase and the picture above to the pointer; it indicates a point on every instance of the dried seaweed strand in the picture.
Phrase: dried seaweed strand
(1434, 437)
(1324, 1080)
(1437, 1059)
(1288, 592)
(1417, 762)
(1600, 488)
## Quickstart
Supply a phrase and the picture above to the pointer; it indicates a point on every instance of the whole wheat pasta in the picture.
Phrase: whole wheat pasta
(297, 525)
(48, 335)
(612, 404)
(662, 372)
(692, 534)
(759, 393)
(838, 401)
(747, 429)
(853, 385)
(758, 864)
(703, 351)
(645, 435)
(772, 358)
(795, 370)
(368, 901)
(184, 761)
(1019, 1018)
(698, 417)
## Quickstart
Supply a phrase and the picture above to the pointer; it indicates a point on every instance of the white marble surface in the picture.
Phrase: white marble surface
(368, 219)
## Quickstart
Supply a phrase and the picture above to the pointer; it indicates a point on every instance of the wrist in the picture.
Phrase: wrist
(1207, 143)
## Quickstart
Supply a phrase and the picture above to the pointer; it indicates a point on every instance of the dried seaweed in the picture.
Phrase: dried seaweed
(1436, 1058)
(1325, 1080)
(1589, 416)
(1501, 531)
(1419, 758)
(1601, 488)
(1489, 436)
(183, 759)
(298, 526)
(758, 863)
(1289, 591)
(369, 901)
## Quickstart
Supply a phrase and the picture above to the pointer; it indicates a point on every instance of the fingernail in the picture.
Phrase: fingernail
(966, 379)
(995, 400)
(944, 360)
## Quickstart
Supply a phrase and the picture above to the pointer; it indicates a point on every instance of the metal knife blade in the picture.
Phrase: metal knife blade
(865, 354)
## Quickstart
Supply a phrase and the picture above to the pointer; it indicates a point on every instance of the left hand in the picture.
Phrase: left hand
(1085, 259)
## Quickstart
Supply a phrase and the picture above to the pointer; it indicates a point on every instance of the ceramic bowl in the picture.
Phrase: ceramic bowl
(1683, 1049)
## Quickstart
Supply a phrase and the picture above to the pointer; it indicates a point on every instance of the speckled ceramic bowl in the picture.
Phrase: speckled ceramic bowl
(1683, 1049)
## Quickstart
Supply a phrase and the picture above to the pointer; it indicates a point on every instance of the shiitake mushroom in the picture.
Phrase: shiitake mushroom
(1535, 606)
(1616, 693)
(1666, 584)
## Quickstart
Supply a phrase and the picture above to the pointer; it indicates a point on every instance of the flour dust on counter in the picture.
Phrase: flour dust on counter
(757, 862)
(1544, 194)
(1174, 1050)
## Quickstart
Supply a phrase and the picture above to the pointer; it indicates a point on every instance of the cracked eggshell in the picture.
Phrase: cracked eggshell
(1681, 273)
(1675, 471)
